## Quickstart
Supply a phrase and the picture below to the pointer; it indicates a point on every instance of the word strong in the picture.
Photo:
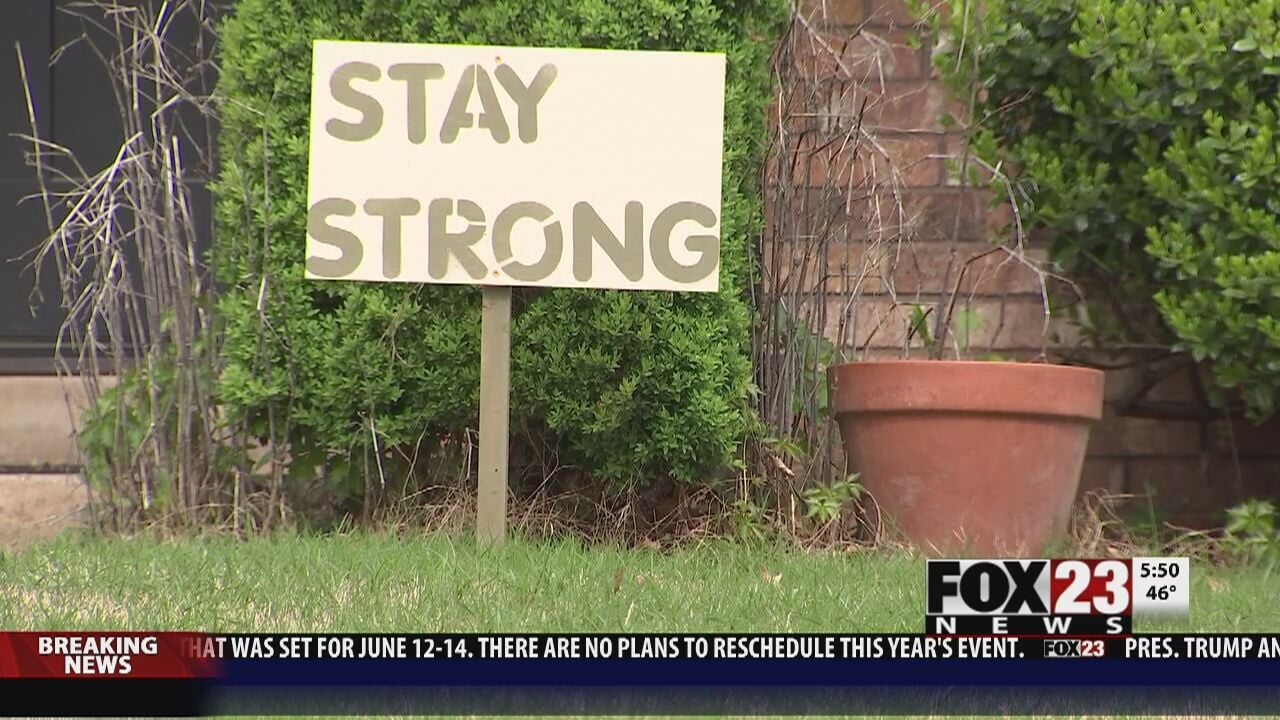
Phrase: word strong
(515, 166)
(1029, 596)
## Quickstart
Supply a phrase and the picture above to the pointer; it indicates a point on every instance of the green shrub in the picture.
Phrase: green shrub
(1252, 535)
(1146, 134)
(112, 433)
(631, 385)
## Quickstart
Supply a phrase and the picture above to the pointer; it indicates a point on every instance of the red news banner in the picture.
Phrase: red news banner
(104, 654)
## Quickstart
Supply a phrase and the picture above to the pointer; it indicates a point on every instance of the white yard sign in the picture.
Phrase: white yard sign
(505, 166)
(515, 166)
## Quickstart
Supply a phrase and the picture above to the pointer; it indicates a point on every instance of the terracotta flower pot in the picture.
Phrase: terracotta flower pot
(976, 458)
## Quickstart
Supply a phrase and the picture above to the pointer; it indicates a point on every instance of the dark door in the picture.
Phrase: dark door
(74, 105)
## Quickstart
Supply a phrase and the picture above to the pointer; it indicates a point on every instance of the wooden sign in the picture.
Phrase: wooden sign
(504, 166)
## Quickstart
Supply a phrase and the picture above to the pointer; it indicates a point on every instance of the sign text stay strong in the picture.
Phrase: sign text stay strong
(515, 166)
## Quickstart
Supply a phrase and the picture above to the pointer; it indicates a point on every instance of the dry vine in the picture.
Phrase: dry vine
(126, 243)
(835, 231)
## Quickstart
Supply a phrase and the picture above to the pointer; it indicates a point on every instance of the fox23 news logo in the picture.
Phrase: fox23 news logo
(1075, 648)
(1029, 597)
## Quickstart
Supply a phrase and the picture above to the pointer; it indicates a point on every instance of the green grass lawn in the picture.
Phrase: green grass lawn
(362, 583)
(357, 583)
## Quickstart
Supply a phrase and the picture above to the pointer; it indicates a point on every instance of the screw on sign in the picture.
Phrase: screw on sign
(502, 166)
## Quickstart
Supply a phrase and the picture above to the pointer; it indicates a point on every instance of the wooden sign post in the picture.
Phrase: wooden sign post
(505, 166)
(495, 413)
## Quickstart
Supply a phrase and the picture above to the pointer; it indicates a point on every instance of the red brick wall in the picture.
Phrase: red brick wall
(1186, 467)
(878, 43)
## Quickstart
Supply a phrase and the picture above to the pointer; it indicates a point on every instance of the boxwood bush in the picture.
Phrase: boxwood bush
(1146, 136)
(629, 385)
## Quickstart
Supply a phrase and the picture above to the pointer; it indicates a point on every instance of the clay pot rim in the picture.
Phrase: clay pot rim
(931, 386)
(971, 363)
